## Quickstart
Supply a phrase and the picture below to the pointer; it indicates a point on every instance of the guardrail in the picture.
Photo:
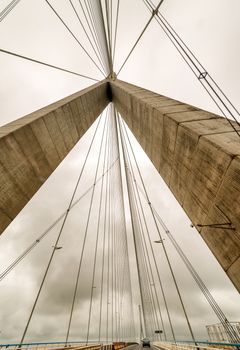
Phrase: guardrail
(201, 345)
(56, 345)
(63, 346)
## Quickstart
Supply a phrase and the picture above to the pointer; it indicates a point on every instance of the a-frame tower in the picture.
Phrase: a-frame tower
(197, 154)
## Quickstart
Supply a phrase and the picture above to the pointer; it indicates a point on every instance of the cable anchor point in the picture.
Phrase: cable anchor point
(112, 76)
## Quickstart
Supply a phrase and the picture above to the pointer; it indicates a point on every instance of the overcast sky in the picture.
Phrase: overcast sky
(212, 30)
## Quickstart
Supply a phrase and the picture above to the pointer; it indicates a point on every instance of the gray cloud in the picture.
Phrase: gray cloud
(32, 30)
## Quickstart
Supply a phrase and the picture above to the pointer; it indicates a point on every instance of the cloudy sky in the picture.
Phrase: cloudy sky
(212, 30)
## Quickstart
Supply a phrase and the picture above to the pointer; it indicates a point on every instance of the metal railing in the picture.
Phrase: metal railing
(201, 345)
(55, 345)
(75, 345)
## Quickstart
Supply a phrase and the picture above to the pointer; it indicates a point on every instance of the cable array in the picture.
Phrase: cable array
(116, 171)
(110, 281)
(97, 22)
(203, 288)
(206, 80)
(8, 9)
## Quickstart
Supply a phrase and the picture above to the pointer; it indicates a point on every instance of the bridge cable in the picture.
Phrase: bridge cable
(118, 249)
(108, 241)
(200, 72)
(134, 236)
(113, 187)
(104, 245)
(212, 302)
(115, 32)
(146, 258)
(109, 229)
(112, 225)
(93, 33)
(160, 237)
(123, 229)
(145, 282)
(223, 319)
(112, 265)
(96, 13)
(46, 64)
(124, 285)
(208, 75)
(106, 36)
(59, 235)
(97, 240)
(149, 279)
(73, 35)
(90, 41)
(131, 172)
(45, 232)
(8, 9)
(84, 238)
(184, 58)
(111, 23)
(140, 36)
(159, 278)
(115, 283)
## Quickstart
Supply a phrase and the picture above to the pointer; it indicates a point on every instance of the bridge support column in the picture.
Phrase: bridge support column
(33, 146)
(197, 153)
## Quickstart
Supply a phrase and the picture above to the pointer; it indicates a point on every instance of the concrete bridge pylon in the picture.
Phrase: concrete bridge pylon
(197, 153)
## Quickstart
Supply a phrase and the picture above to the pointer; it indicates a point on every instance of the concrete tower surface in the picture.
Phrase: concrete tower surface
(197, 153)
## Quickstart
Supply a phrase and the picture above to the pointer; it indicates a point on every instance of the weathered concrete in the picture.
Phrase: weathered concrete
(33, 146)
(197, 153)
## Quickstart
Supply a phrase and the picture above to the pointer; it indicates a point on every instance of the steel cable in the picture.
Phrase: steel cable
(97, 240)
(150, 244)
(140, 36)
(73, 35)
(46, 64)
(93, 34)
(199, 71)
(90, 41)
(8, 9)
(84, 238)
(59, 236)
(212, 302)
(147, 265)
(163, 245)
(38, 240)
